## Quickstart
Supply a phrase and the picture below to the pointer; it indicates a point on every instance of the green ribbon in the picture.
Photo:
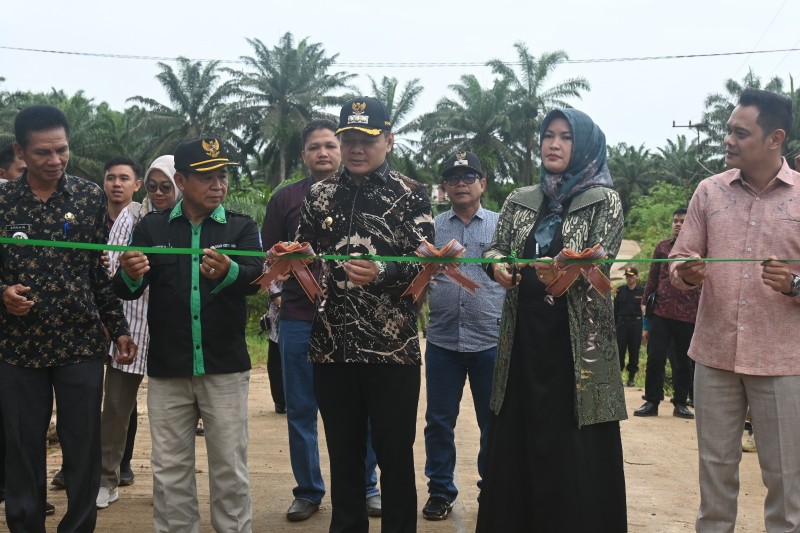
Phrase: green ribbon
(403, 258)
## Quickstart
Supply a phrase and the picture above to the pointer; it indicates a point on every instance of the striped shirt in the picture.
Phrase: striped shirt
(135, 310)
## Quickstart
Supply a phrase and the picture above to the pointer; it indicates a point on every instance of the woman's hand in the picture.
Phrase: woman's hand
(503, 275)
(546, 272)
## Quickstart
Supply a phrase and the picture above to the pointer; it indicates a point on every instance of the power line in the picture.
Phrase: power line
(771, 22)
(404, 64)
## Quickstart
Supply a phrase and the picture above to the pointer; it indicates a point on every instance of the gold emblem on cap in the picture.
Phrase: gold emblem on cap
(69, 217)
(461, 155)
(359, 107)
(211, 147)
(328, 222)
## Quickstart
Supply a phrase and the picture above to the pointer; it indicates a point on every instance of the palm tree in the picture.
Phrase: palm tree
(477, 119)
(633, 170)
(281, 89)
(531, 100)
(685, 163)
(198, 107)
(399, 104)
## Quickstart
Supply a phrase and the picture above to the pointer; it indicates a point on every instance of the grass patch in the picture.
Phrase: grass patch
(258, 347)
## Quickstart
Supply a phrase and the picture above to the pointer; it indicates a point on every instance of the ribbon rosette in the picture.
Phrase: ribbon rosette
(279, 265)
(569, 272)
(431, 269)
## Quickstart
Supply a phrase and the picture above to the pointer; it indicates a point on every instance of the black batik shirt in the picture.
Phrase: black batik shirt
(70, 287)
(388, 215)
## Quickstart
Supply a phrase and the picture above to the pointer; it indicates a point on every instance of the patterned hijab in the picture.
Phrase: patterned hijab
(586, 169)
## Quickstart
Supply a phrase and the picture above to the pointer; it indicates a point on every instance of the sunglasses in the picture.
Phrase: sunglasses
(468, 178)
(164, 186)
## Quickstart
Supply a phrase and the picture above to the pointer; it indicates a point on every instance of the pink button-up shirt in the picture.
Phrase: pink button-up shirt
(742, 324)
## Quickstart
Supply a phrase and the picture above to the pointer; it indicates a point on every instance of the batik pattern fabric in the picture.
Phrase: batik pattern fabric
(388, 214)
(594, 216)
(70, 288)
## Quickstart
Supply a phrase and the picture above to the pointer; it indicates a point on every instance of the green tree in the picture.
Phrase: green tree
(476, 119)
(633, 171)
(531, 99)
(686, 163)
(281, 89)
(198, 106)
(650, 217)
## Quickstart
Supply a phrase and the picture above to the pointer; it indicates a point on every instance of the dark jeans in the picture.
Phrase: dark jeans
(629, 339)
(386, 395)
(275, 374)
(664, 331)
(26, 398)
(445, 376)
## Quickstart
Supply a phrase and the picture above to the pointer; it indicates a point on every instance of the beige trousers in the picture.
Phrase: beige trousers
(721, 399)
(222, 401)
(119, 399)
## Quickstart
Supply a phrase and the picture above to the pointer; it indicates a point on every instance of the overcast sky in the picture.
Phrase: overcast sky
(634, 102)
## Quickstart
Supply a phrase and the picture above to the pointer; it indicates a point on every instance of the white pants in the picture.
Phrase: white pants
(721, 399)
(222, 400)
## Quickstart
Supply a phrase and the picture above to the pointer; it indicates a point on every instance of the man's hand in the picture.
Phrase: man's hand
(16, 302)
(126, 350)
(502, 275)
(692, 272)
(135, 264)
(361, 271)
(214, 264)
(645, 337)
(777, 275)
(105, 258)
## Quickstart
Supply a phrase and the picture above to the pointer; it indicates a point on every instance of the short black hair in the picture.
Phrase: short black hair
(7, 157)
(37, 118)
(680, 211)
(774, 110)
(121, 160)
(317, 124)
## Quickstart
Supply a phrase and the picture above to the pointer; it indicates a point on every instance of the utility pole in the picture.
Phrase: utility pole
(697, 127)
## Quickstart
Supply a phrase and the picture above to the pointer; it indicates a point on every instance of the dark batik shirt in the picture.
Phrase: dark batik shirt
(388, 215)
(671, 302)
(70, 288)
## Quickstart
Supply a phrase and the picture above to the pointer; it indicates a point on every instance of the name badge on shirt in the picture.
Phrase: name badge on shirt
(14, 228)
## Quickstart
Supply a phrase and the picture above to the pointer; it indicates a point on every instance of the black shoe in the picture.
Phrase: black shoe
(49, 508)
(280, 408)
(690, 403)
(648, 409)
(58, 480)
(630, 383)
(200, 431)
(301, 510)
(681, 411)
(437, 508)
(125, 475)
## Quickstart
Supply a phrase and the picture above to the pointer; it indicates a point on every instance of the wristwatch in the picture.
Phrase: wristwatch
(795, 291)
(381, 272)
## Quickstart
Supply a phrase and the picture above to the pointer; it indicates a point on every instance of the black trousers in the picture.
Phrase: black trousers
(26, 398)
(663, 332)
(275, 373)
(349, 395)
(629, 339)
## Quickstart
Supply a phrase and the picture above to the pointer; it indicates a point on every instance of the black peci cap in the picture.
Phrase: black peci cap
(462, 160)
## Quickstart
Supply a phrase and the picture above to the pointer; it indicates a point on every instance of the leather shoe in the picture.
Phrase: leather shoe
(648, 409)
(280, 408)
(630, 383)
(681, 411)
(437, 508)
(374, 506)
(301, 510)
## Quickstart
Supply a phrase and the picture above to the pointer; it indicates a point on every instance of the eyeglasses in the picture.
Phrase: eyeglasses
(468, 178)
(165, 187)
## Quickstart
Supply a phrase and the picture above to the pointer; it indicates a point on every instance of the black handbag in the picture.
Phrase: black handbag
(650, 305)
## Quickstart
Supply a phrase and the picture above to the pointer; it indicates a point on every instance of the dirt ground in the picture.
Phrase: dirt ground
(660, 471)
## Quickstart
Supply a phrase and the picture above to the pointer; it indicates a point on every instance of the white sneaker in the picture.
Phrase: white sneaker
(106, 496)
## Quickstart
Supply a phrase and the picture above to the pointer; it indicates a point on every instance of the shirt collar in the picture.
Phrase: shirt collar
(784, 174)
(218, 214)
(381, 174)
(65, 185)
(480, 213)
